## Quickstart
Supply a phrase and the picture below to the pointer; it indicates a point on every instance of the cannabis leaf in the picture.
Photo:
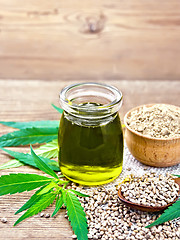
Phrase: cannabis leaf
(169, 214)
(50, 189)
(20, 182)
(28, 136)
(76, 216)
(64, 198)
(34, 198)
(59, 203)
(49, 150)
(29, 160)
(36, 124)
(11, 164)
(42, 165)
(57, 108)
(78, 193)
(43, 203)
(176, 175)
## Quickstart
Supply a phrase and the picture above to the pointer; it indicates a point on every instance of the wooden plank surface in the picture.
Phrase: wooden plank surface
(93, 40)
(30, 100)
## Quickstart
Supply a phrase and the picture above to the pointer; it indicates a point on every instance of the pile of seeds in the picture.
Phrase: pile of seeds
(110, 219)
(150, 190)
(159, 121)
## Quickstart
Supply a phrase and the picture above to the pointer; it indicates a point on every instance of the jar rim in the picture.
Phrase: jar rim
(68, 104)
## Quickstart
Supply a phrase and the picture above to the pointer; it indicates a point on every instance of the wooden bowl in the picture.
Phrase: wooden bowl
(156, 152)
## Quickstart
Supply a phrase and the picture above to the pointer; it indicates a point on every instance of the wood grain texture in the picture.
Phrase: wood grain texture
(30, 100)
(90, 39)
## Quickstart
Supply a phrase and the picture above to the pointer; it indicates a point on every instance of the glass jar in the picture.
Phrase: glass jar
(90, 135)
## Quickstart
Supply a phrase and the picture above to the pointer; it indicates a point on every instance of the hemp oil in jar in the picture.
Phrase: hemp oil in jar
(90, 135)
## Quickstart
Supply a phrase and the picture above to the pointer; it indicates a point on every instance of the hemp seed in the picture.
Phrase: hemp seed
(150, 190)
(111, 219)
(74, 236)
(42, 214)
(3, 220)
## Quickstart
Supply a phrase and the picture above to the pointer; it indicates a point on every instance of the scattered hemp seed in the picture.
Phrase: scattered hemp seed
(108, 218)
(150, 190)
(74, 236)
(42, 214)
(47, 215)
(3, 220)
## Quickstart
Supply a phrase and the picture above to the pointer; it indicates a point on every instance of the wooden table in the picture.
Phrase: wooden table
(30, 100)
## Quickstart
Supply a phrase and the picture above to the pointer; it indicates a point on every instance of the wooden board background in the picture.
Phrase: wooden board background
(90, 40)
(29, 101)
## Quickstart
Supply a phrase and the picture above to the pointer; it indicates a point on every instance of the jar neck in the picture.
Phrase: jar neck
(93, 122)
(93, 102)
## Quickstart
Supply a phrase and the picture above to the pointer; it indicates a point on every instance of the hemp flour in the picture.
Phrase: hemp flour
(158, 121)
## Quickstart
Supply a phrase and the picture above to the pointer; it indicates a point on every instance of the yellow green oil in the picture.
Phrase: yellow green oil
(90, 155)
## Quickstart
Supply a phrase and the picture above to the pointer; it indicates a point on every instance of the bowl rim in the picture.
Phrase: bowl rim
(145, 136)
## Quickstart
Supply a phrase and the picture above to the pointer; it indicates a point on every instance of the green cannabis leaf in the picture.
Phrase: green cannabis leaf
(34, 198)
(50, 189)
(35, 124)
(49, 150)
(32, 132)
(176, 175)
(76, 216)
(11, 164)
(47, 188)
(59, 203)
(64, 198)
(28, 136)
(20, 182)
(43, 203)
(78, 193)
(42, 165)
(57, 108)
(169, 214)
(27, 159)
